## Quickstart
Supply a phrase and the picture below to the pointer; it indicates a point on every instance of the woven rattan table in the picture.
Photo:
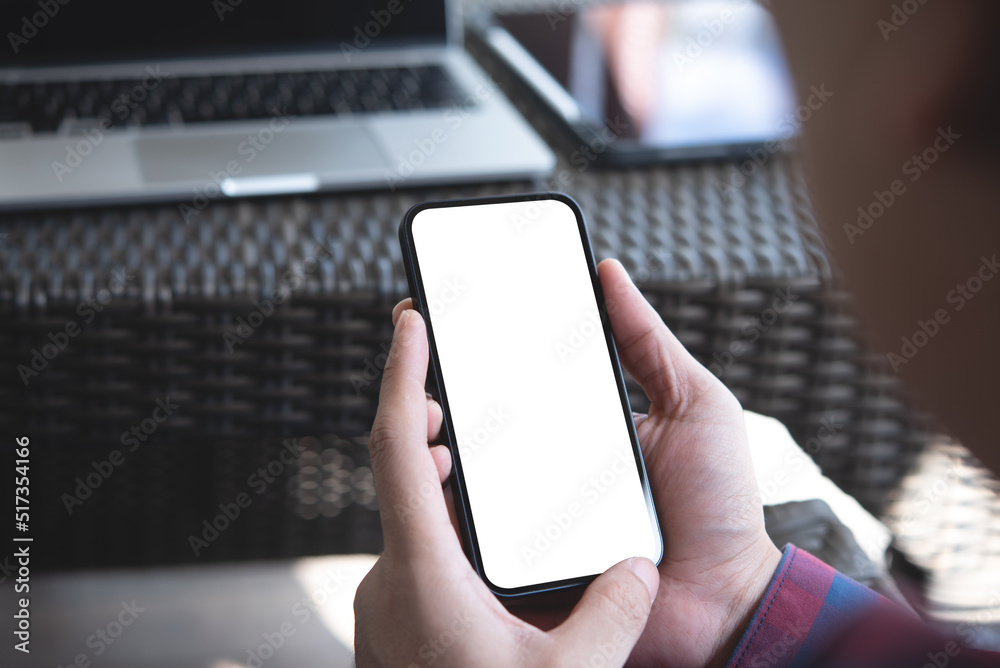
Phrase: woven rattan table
(169, 317)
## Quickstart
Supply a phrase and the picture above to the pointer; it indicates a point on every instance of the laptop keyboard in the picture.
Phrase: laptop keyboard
(45, 107)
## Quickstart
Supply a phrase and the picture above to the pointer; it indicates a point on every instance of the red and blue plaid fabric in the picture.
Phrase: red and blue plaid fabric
(811, 615)
(806, 603)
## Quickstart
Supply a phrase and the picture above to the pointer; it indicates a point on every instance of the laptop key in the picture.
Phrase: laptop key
(14, 130)
(46, 106)
(241, 110)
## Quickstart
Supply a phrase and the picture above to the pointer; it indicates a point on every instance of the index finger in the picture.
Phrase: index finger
(411, 502)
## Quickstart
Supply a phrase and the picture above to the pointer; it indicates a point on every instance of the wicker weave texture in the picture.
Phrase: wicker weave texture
(714, 270)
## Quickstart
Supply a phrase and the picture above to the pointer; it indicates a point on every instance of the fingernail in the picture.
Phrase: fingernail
(646, 571)
(400, 321)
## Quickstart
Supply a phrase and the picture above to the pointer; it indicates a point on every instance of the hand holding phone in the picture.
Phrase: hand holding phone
(411, 607)
(422, 604)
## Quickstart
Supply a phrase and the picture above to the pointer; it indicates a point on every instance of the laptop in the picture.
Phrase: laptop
(108, 101)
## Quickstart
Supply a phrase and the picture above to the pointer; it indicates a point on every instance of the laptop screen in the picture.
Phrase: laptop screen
(38, 32)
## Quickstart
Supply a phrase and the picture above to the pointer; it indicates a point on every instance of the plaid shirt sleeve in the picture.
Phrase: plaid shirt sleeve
(811, 615)
(806, 604)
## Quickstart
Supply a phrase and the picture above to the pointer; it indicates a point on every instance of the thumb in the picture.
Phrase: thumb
(612, 614)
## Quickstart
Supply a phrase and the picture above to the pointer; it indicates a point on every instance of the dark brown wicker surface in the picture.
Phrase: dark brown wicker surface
(710, 264)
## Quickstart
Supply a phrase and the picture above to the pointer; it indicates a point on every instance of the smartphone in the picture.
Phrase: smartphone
(646, 81)
(548, 478)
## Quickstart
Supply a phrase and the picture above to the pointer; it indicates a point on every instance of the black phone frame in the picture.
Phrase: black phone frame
(436, 387)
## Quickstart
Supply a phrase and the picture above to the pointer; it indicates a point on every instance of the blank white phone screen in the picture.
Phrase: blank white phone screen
(553, 487)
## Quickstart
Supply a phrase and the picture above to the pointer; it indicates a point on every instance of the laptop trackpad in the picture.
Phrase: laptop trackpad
(259, 153)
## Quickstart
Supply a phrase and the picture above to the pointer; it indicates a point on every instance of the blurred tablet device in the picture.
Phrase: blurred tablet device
(643, 81)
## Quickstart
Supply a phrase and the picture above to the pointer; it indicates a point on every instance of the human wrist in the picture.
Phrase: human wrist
(741, 608)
